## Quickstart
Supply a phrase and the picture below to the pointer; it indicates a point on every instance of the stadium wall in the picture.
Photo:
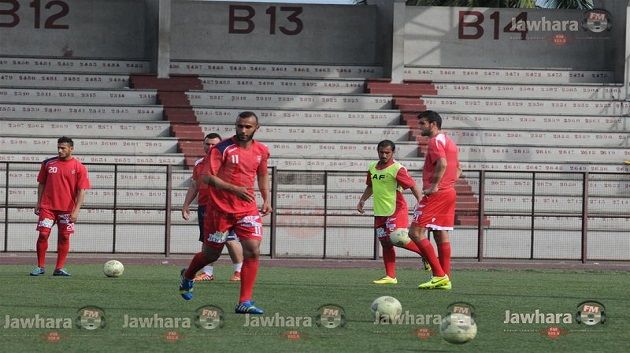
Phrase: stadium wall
(456, 37)
(297, 33)
(75, 28)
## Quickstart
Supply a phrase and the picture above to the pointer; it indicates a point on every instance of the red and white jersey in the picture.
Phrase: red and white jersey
(238, 166)
(202, 188)
(441, 146)
(62, 180)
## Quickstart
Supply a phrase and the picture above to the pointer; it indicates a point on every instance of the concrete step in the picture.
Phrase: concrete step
(62, 65)
(63, 80)
(236, 69)
(286, 101)
(533, 76)
(77, 96)
(282, 85)
(75, 112)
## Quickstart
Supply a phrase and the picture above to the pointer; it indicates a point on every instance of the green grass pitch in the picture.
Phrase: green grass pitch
(294, 294)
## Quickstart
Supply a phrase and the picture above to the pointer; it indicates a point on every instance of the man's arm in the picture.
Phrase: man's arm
(366, 195)
(40, 192)
(440, 169)
(192, 192)
(240, 191)
(263, 186)
(78, 202)
(417, 193)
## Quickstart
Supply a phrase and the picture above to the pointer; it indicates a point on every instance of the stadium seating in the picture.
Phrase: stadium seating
(318, 118)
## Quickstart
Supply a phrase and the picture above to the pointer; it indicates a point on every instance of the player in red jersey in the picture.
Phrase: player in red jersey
(63, 181)
(197, 187)
(386, 179)
(234, 165)
(436, 210)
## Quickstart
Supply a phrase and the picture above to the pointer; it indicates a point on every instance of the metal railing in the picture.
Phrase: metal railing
(503, 214)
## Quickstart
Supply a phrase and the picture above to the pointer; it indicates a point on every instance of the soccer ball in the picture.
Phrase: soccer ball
(458, 328)
(386, 309)
(113, 268)
(400, 237)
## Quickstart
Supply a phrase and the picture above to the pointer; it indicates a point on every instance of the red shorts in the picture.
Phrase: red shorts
(218, 226)
(385, 225)
(48, 218)
(436, 211)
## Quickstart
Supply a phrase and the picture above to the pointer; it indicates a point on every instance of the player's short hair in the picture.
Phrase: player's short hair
(248, 114)
(66, 139)
(212, 135)
(432, 117)
(386, 143)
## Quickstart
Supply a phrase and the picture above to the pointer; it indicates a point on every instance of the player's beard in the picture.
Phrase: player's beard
(244, 138)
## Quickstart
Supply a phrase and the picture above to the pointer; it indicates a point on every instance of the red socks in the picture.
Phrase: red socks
(63, 246)
(196, 264)
(42, 246)
(248, 278)
(389, 258)
(429, 254)
(444, 251)
(411, 246)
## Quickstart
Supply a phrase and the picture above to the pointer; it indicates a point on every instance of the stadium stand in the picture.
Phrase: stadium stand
(319, 119)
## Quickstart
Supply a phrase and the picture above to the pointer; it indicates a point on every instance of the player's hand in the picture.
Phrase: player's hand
(360, 207)
(36, 211)
(266, 209)
(185, 213)
(431, 190)
(74, 216)
(244, 194)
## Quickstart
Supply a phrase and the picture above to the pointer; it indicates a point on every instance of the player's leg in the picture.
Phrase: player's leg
(248, 229)
(444, 250)
(207, 273)
(425, 216)
(44, 224)
(217, 226)
(207, 255)
(400, 238)
(66, 229)
(381, 226)
(443, 222)
(236, 254)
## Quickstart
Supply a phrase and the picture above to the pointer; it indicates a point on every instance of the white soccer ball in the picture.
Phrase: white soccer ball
(400, 237)
(458, 328)
(113, 268)
(386, 309)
